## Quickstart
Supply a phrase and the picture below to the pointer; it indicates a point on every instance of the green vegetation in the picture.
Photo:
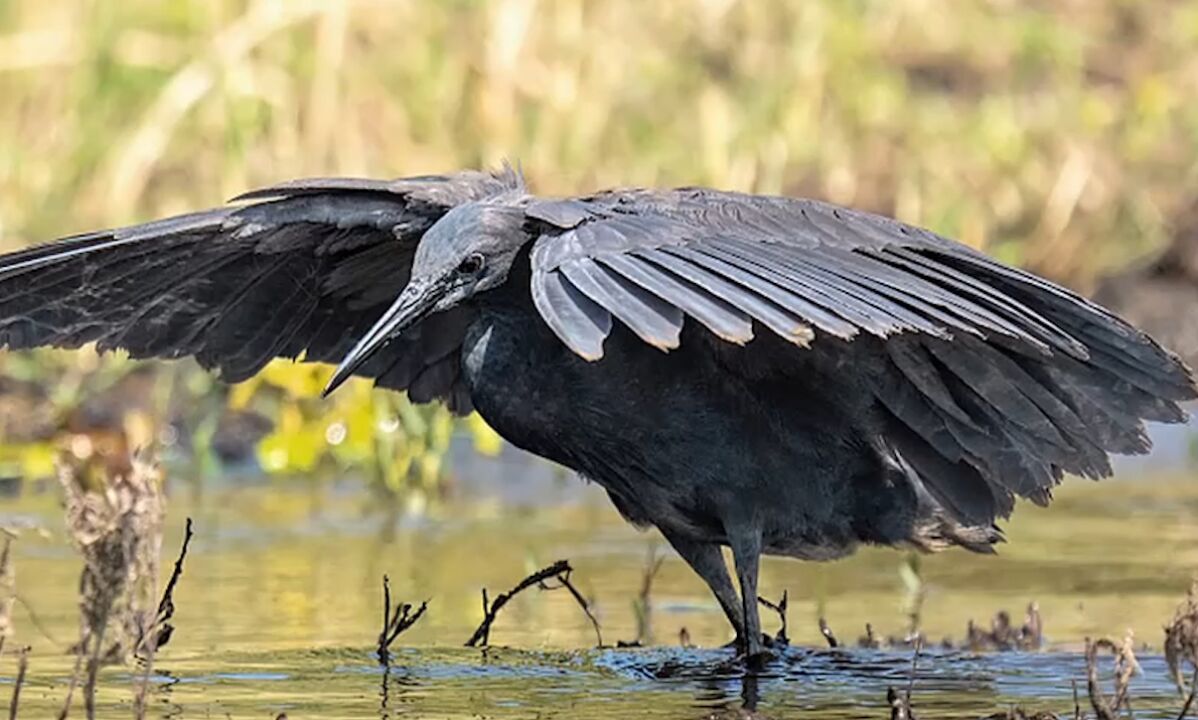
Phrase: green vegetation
(1059, 135)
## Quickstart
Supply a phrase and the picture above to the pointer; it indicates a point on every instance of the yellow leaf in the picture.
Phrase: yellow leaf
(242, 393)
(37, 460)
(486, 440)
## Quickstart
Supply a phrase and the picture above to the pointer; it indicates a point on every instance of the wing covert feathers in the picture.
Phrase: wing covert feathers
(990, 382)
(301, 271)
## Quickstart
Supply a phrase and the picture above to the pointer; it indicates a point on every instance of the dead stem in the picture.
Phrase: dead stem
(827, 633)
(914, 668)
(869, 640)
(8, 588)
(900, 707)
(1032, 632)
(93, 670)
(780, 608)
(1185, 709)
(1098, 701)
(900, 704)
(1181, 638)
(564, 579)
(1125, 667)
(491, 609)
(22, 667)
(72, 684)
(395, 622)
(153, 638)
(163, 630)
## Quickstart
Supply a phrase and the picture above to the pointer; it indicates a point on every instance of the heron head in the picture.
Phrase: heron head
(468, 251)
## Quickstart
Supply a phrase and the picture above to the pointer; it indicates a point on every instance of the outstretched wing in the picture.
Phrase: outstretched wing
(301, 271)
(989, 381)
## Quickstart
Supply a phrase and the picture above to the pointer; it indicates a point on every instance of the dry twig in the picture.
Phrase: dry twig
(1032, 632)
(914, 668)
(1185, 709)
(559, 570)
(8, 587)
(780, 608)
(827, 633)
(22, 667)
(564, 579)
(1181, 638)
(1125, 667)
(396, 620)
(900, 706)
(154, 637)
(163, 630)
(869, 640)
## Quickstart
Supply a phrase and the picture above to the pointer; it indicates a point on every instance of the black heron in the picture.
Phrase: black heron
(775, 375)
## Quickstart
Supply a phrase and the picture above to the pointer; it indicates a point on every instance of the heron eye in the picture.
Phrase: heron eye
(471, 264)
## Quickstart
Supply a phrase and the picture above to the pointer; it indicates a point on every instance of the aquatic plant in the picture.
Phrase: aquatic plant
(114, 517)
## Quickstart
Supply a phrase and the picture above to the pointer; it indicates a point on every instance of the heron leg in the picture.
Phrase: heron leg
(746, 555)
(707, 561)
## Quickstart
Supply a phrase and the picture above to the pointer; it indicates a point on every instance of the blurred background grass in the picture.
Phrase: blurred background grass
(1060, 135)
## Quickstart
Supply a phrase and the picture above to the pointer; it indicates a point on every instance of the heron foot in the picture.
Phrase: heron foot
(766, 641)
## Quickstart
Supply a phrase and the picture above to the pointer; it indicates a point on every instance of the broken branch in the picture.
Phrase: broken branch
(166, 606)
(780, 608)
(491, 610)
(22, 666)
(827, 633)
(564, 579)
(395, 621)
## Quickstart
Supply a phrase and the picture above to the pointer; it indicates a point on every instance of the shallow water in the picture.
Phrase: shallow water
(603, 684)
(279, 608)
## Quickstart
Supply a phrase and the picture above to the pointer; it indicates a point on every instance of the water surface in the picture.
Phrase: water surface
(281, 602)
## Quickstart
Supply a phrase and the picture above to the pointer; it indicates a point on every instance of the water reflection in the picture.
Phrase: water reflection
(665, 683)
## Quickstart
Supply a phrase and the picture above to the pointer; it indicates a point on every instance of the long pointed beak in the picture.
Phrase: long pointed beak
(416, 301)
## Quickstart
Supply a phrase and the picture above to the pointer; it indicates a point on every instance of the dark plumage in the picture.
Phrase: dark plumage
(776, 375)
